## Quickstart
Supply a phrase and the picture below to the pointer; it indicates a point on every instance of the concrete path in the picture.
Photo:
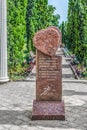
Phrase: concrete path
(16, 105)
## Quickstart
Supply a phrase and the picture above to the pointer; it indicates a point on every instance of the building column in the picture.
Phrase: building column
(3, 42)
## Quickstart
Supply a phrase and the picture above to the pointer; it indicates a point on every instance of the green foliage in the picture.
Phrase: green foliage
(30, 24)
(45, 15)
(77, 29)
(16, 32)
(62, 27)
(41, 14)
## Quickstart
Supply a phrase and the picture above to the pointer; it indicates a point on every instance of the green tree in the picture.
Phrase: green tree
(62, 27)
(30, 23)
(25, 18)
(39, 16)
(45, 15)
(16, 33)
(76, 28)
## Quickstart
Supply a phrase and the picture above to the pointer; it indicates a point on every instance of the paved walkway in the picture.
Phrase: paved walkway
(16, 105)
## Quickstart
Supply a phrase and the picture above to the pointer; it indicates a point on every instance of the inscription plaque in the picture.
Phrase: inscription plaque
(49, 78)
(48, 67)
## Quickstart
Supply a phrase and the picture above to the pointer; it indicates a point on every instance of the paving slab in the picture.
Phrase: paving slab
(16, 100)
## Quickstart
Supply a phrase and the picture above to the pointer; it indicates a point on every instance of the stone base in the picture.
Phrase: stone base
(4, 80)
(48, 110)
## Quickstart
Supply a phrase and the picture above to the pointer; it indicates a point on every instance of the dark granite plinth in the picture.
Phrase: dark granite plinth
(48, 110)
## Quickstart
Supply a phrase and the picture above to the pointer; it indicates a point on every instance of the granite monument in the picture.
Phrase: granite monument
(48, 104)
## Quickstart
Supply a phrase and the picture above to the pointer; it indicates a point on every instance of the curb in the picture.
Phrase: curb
(75, 81)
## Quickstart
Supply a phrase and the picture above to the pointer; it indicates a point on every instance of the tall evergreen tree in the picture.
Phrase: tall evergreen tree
(30, 23)
(76, 28)
(16, 32)
(39, 16)
(62, 27)
(45, 15)
(72, 26)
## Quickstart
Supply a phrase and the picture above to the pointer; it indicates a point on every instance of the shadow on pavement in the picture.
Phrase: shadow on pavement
(75, 118)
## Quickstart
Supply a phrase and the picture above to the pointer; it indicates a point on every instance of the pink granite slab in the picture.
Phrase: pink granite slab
(49, 90)
(48, 77)
(47, 40)
(60, 41)
(48, 110)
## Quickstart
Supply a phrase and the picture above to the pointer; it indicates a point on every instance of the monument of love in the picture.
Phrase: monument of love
(48, 104)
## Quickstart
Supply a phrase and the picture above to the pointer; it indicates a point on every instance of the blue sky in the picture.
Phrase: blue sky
(61, 8)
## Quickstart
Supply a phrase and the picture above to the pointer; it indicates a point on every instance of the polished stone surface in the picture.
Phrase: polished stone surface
(48, 78)
(47, 40)
(48, 90)
(48, 67)
(59, 31)
(48, 110)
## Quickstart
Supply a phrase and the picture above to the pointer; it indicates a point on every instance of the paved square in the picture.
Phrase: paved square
(16, 99)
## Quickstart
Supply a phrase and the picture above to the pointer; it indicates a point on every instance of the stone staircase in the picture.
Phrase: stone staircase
(67, 73)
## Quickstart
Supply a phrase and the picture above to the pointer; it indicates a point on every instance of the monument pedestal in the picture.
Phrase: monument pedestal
(48, 110)
(48, 104)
